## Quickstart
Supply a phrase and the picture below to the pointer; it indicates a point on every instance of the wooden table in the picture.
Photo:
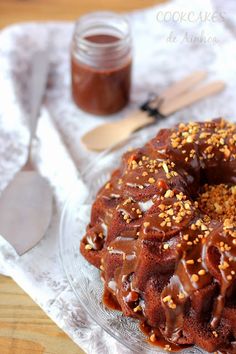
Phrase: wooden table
(24, 328)
(27, 10)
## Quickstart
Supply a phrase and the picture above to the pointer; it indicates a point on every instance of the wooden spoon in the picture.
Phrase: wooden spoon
(106, 135)
(109, 134)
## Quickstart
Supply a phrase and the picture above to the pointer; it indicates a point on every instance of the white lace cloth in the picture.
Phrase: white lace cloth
(59, 153)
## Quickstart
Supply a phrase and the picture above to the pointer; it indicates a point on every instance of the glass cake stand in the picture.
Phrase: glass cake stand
(83, 277)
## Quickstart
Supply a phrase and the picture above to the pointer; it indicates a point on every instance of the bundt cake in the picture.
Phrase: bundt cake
(165, 247)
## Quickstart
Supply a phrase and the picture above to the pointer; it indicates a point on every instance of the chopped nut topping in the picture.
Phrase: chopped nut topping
(138, 308)
(167, 298)
(223, 208)
(181, 296)
(151, 180)
(190, 261)
(165, 167)
(195, 278)
(224, 265)
(167, 347)
(152, 338)
(169, 193)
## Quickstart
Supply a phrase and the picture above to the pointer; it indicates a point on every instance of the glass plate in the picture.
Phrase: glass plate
(83, 277)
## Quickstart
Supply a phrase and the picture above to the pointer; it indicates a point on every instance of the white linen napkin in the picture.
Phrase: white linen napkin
(59, 155)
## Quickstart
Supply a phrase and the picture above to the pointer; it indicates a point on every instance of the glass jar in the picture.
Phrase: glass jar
(101, 63)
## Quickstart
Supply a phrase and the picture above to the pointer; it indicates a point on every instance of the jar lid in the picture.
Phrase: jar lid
(102, 39)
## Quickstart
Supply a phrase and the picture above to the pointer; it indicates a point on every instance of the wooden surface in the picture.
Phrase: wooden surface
(12, 11)
(24, 328)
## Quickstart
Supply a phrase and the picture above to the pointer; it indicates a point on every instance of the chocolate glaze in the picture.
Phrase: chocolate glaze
(162, 259)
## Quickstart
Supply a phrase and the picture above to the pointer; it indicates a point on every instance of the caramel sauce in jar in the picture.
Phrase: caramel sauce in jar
(101, 63)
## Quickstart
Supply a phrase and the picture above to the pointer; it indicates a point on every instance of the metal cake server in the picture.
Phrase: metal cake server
(26, 203)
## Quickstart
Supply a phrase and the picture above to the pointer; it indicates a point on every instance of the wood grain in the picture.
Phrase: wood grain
(12, 11)
(24, 328)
